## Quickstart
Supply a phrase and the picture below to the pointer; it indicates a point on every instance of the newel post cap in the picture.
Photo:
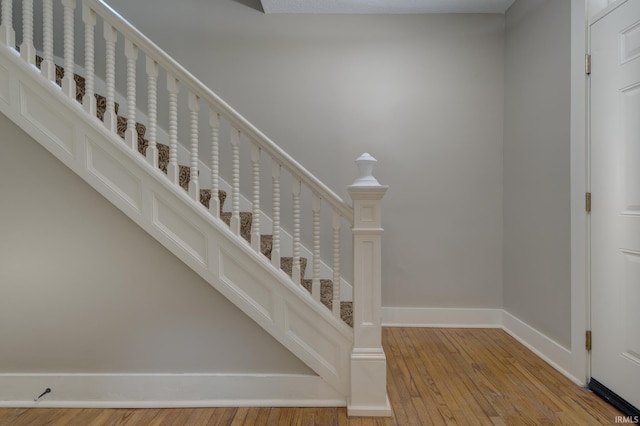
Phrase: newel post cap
(365, 165)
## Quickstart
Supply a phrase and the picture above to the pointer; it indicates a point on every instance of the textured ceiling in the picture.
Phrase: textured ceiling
(386, 6)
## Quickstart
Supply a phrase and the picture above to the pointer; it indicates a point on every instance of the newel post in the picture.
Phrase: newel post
(368, 393)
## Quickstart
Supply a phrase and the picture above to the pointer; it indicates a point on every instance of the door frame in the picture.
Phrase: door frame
(579, 175)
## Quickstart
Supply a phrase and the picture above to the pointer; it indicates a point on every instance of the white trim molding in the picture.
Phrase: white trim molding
(441, 317)
(211, 390)
(167, 390)
(579, 186)
(543, 346)
(546, 348)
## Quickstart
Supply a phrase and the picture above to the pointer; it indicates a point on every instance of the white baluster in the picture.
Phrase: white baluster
(275, 247)
(89, 99)
(336, 265)
(152, 95)
(296, 272)
(27, 50)
(68, 82)
(7, 34)
(214, 123)
(315, 282)
(194, 109)
(173, 168)
(110, 37)
(131, 134)
(235, 183)
(255, 224)
(47, 67)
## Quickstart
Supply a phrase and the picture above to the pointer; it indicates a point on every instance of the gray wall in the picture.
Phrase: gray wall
(422, 93)
(537, 245)
(470, 126)
(84, 289)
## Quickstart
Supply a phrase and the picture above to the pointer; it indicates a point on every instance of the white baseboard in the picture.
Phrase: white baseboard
(543, 346)
(546, 348)
(167, 390)
(216, 390)
(441, 317)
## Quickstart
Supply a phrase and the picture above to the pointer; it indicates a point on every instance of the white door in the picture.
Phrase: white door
(615, 188)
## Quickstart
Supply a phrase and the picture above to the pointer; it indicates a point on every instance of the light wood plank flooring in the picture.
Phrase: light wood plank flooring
(436, 376)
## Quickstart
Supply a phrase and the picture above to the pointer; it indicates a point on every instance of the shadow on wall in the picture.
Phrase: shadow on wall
(253, 4)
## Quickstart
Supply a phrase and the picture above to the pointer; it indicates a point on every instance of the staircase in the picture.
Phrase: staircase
(246, 219)
(123, 158)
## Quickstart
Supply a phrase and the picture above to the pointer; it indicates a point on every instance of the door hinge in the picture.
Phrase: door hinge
(588, 340)
(588, 202)
(587, 64)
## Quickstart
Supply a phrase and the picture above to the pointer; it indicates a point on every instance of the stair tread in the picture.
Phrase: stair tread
(266, 245)
(122, 124)
(326, 298)
(101, 106)
(326, 290)
(346, 312)
(184, 176)
(205, 197)
(245, 223)
(286, 264)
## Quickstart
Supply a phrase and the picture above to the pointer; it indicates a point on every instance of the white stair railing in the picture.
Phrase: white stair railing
(368, 387)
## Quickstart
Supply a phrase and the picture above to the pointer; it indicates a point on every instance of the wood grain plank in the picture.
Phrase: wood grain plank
(9, 415)
(240, 416)
(291, 416)
(222, 416)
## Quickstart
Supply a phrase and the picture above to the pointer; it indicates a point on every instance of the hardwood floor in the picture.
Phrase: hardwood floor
(436, 376)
